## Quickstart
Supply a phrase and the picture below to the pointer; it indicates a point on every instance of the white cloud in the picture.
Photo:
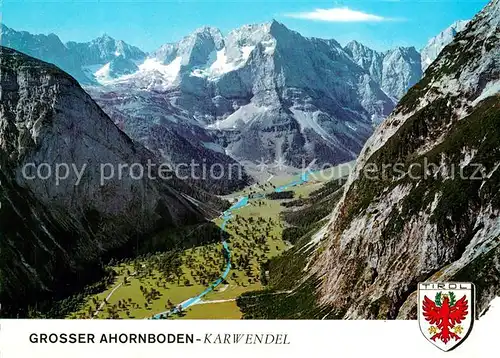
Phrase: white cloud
(343, 14)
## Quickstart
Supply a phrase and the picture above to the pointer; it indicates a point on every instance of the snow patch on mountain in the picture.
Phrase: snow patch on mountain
(222, 64)
(103, 74)
(241, 117)
(213, 146)
(169, 71)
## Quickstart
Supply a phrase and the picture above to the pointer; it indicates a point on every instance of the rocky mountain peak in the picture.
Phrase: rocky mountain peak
(103, 50)
(104, 38)
(276, 28)
(368, 59)
(165, 53)
(196, 48)
(212, 32)
(401, 69)
(357, 47)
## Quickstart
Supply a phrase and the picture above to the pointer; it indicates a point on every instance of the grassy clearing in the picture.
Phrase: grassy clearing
(226, 310)
(255, 236)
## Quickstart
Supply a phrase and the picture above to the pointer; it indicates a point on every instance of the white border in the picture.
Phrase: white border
(401, 339)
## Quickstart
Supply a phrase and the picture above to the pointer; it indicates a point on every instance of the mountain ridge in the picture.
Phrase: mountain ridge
(52, 231)
(395, 70)
(231, 90)
(438, 226)
(436, 44)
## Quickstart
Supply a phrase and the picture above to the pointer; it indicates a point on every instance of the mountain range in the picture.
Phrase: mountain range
(262, 93)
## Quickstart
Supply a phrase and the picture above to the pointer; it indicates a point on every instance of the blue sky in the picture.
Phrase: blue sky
(380, 24)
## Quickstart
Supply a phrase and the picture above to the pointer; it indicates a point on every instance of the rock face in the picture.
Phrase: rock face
(193, 50)
(442, 222)
(395, 71)
(49, 229)
(369, 59)
(435, 45)
(401, 69)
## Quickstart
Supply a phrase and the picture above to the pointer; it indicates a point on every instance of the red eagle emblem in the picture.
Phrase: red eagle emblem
(445, 314)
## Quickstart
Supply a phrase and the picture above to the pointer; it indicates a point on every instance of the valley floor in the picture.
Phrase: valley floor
(148, 285)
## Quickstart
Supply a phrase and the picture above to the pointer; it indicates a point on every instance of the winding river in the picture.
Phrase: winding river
(226, 216)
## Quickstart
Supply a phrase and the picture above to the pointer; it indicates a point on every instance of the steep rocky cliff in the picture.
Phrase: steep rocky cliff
(52, 230)
(424, 200)
(395, 71)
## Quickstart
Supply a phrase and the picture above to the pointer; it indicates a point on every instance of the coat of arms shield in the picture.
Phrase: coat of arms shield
(446, 312)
